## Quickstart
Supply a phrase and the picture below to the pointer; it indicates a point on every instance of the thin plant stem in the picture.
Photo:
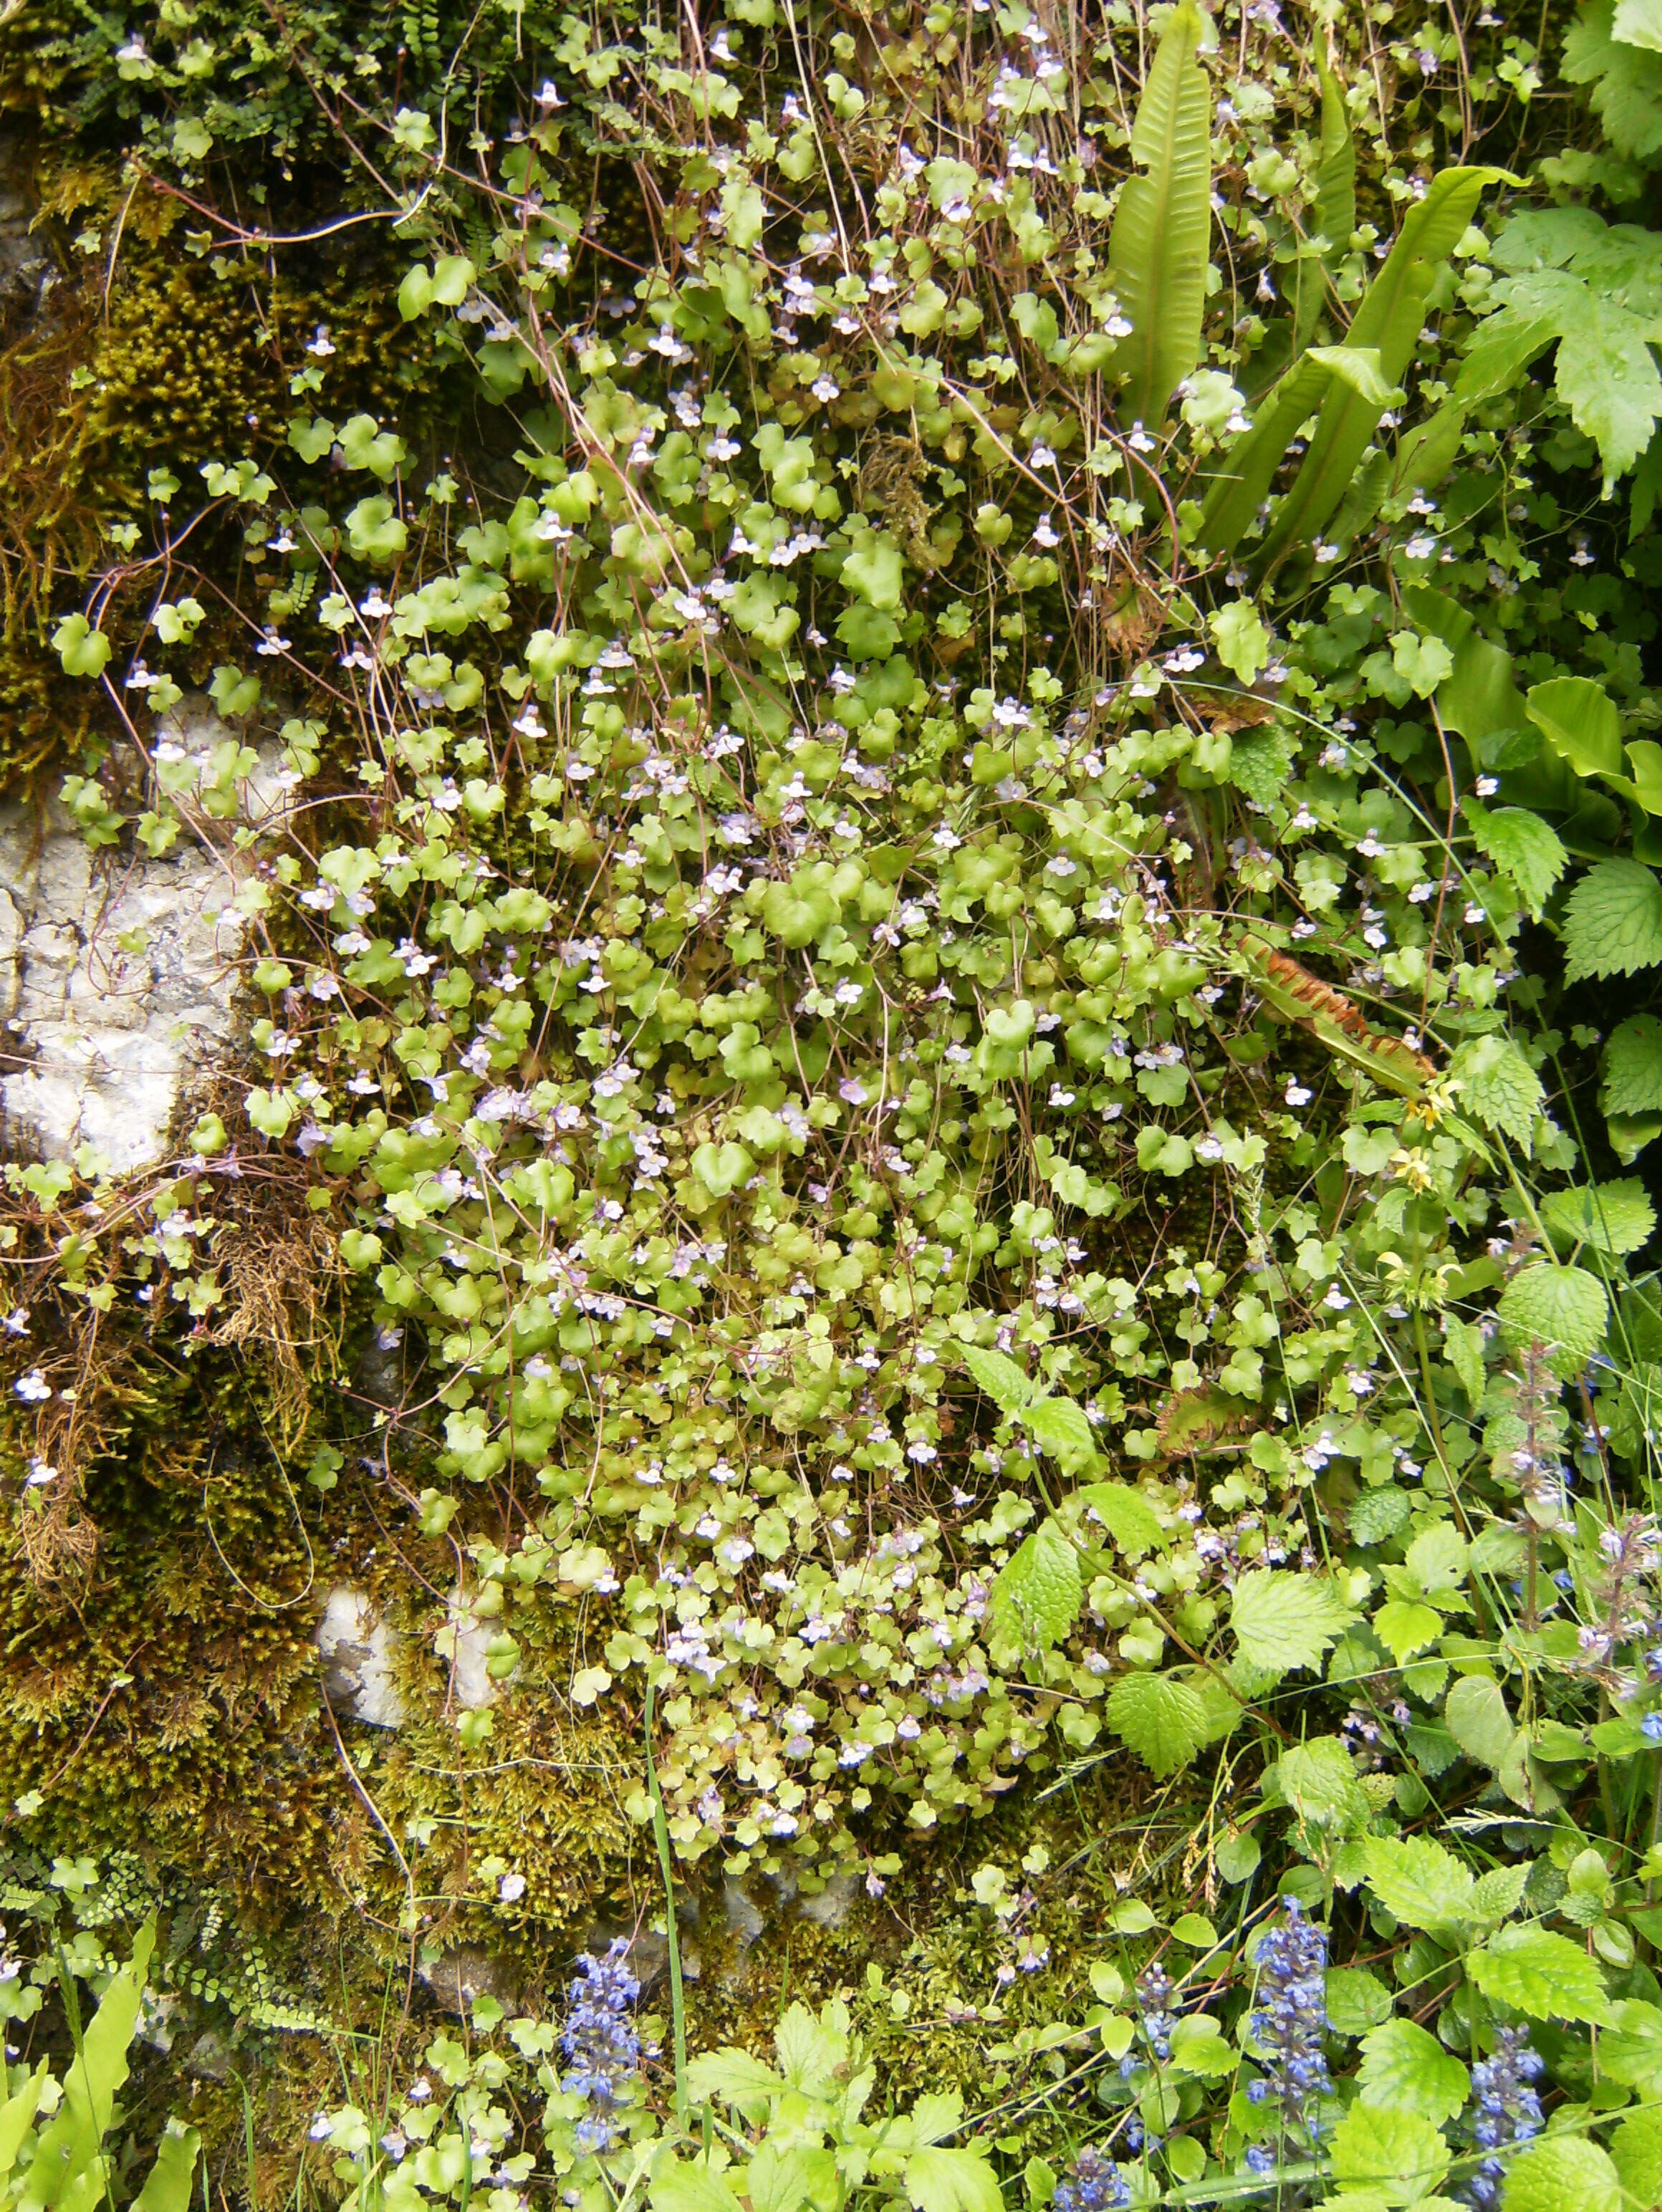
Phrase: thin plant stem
(676, 1994)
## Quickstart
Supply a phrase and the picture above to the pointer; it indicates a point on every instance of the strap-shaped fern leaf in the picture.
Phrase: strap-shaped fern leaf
(1387, 323)
(1157, 253)
(1336, 208)
(1237, 495)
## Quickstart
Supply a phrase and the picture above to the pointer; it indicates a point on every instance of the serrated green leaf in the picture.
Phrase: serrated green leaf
(944, 2180)
(690, 2186)
(1437, 1560)
(1131, 1521)
(1282, 1621)
(1417, 1880)
(1405, 1626)
(1636, 2151)
(1561, 2173)
(1060, 1427)
(1463, 1341)
(1160, 1718)
(1357, 2000)
(1400, 2154)
(1613, 922)
(1612, 1217)
(1037, 1596)
(1565, 1309)
(1522, 846)
(1499, 1893)
(1319, 1781)
(1539, 1973)
(1007, 1385)
(1405, 2069)
(1498, 1086)
(1632, 1067)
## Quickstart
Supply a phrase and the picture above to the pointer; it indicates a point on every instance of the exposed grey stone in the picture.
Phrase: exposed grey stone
(745, 1919)
(472, 1682)
(117, 980)
(359, 1649)
(831, 1906)
(463, 1972)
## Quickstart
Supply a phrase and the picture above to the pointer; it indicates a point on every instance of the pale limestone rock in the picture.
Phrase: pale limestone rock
(359, 1648)
(98, 1042)
(474, 1686)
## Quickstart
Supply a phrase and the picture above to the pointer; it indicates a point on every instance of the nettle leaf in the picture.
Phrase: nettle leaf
(1499, 1893)
(1613, 922)
(998, 1375)
(1162, 1718)
(1417, 1880)
(1130, 1520)
(1060, 1427)
(1319, 1781)
(1037, 1596)
(1463, 1341)
(1405, 2067)
(1565, 1309)
(1539, 1973)
(1633, 1067)
(1612, 1217)
(1636, 2148)
(1522, 846)
(1282, 1621)
(1561, 2173)
(1396, 2155)
(941, 2180)
(1498, 1085)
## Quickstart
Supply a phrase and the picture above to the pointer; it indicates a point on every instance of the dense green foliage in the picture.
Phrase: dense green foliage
(949, 1089)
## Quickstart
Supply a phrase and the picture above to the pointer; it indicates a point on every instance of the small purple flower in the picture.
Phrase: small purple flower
(1095, 2185)
(600, 2040)
(1504, 2110)
(1292, 2018)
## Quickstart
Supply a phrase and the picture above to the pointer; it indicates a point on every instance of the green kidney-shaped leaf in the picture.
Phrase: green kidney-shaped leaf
(1539, 1973)
(1479, 1720)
